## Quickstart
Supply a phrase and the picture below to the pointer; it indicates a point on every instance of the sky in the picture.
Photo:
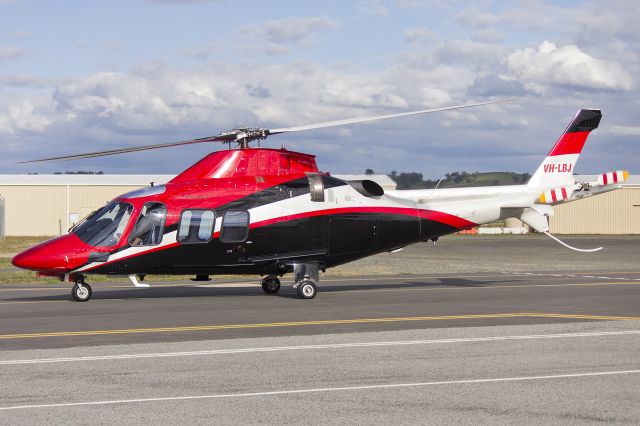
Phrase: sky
(82, 76)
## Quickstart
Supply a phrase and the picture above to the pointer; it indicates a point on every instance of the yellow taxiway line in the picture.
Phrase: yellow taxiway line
(312, 323)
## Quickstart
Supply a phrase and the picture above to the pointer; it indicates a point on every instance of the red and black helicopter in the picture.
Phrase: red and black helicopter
(271, 212)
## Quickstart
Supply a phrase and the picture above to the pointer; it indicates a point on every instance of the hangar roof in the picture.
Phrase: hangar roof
(141, 180)
(83, 179)
(136, 180)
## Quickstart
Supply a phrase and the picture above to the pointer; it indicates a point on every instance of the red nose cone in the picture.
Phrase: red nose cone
(24, 260)
(54, 256)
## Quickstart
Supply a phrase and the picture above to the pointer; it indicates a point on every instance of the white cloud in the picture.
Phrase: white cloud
(203, 52)
(182, 2)
(289, 30)
(161, 102)
(23, 35)
(530, 15)
(549, 65)
(280, 36)
(625, 130)
(351, 93)
(373, 8)
(418, 34)
(11, 52)
(23, 80)
(33, 116)
(488, 36)
(113, 45)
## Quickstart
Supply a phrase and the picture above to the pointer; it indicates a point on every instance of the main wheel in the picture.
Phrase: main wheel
(81, 292)
(307, 289)
(271, 284)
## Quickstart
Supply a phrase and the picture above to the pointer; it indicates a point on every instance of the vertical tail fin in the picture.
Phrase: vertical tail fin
(557, 168)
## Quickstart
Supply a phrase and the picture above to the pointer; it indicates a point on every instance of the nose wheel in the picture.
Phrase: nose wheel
(81, 292)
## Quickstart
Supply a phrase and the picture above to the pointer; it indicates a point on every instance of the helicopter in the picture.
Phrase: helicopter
(270, 212)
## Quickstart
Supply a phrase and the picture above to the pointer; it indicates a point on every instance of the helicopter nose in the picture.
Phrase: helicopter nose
(57, 255)
(25, 260)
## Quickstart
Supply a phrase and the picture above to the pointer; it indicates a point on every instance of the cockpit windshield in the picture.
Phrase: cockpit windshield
(104, 228)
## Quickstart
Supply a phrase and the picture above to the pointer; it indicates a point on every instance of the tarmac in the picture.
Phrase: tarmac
(519, 340)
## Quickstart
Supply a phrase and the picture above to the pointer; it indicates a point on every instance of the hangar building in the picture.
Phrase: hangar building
(40, 205)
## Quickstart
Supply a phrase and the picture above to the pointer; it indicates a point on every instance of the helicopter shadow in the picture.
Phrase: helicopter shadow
(181, 291)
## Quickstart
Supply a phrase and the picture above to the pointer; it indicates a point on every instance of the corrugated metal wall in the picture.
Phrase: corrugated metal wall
(33, 210)
(2, 227)
(616, 212)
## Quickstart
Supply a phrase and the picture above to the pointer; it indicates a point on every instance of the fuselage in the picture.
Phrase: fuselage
(258, 211)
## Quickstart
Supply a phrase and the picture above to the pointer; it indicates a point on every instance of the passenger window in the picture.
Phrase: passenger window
(235, 226)
(150, 226)
(196, 226)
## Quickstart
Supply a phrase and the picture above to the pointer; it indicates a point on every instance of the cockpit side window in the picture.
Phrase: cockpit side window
(150, 225)
(104, 227)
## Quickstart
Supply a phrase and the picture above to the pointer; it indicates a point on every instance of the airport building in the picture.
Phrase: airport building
(40, 205)
(616, 212)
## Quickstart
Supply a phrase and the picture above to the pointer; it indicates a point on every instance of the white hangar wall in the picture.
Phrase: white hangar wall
(43, 205)
(616, 212)
(38, 205)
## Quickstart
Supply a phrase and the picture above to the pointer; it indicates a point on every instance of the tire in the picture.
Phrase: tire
(81, 292)
(307, 289)
(271, 285)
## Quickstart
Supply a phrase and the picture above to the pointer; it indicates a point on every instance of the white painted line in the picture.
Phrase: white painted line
(319, 390)
(319, 347)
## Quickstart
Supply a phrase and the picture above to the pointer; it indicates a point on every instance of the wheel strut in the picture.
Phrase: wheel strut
(306, 278)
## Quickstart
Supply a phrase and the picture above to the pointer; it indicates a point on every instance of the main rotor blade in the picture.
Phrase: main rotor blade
(250, 134)
(378, 117)
(125, 150)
